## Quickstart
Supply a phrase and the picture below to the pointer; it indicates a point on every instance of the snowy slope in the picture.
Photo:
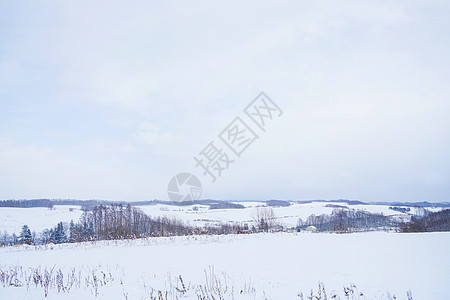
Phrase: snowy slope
(37, 218)
(287, 216)
(12, 219)
(278, 266)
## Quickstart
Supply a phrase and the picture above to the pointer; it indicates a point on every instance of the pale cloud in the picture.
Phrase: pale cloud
(123, 96)
(152, 134)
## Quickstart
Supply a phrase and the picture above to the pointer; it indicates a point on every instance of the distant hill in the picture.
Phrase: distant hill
(214, 204)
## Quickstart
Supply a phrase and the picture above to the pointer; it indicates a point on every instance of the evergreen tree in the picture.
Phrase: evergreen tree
(72, 233)
(60, 235)
(25, 235)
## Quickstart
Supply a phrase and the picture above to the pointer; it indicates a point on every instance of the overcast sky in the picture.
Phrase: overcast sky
(110, 100)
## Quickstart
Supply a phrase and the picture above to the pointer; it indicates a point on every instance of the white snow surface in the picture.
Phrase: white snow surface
(286, 216)
(38, 219)
(277, 265)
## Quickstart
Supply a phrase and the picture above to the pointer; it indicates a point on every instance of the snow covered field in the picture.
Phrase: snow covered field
(286, 216)
(254, 266)
(276, 266)
(38, 219)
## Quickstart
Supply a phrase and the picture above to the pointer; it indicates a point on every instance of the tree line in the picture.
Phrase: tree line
(116, 221)
(113, 222)
(430, 222)
(342, 220)
(103, 222)
(27, 203)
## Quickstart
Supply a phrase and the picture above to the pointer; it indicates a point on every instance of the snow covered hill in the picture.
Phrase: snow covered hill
(256, 266)
(39, 218)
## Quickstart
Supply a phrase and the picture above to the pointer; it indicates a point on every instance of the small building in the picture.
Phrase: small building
(311, 229)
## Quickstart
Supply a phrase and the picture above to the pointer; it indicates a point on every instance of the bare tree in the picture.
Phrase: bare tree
(264, 218)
